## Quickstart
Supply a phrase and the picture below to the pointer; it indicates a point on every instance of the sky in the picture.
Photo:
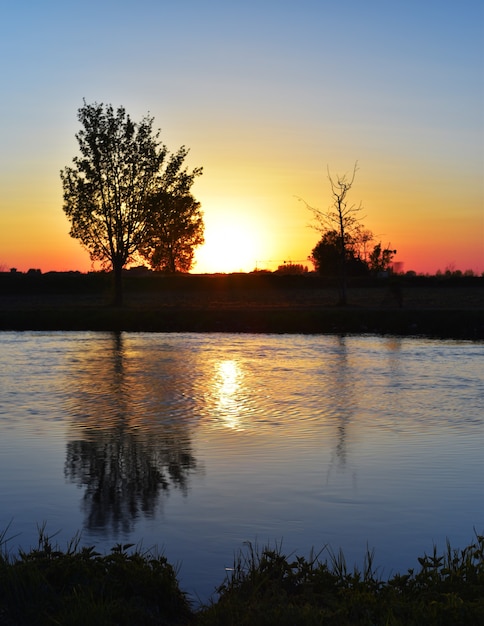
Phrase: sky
(267, 94)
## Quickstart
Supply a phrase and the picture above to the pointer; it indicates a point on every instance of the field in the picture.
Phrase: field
(244, 303)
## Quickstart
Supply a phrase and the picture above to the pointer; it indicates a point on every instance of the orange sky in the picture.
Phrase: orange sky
(266, 97)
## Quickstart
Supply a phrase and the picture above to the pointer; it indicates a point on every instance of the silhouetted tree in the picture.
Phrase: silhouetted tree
(362, 238)
(174, 221)
(107, 190)
(380, 258)
(343, 218)
(327, 260)
(292, 268)
(175, 229)
(325, 254)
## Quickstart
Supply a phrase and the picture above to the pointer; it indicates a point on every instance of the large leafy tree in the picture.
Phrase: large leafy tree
(175, 229)
(109, 187)
(174, 220)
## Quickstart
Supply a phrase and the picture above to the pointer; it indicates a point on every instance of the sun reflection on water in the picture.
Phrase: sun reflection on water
(228, 381)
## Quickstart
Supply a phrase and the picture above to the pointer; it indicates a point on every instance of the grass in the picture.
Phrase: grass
(79, 586)
(265, 586)
(268, 587)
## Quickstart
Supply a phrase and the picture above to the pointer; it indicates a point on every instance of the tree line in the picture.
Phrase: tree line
(127, 197)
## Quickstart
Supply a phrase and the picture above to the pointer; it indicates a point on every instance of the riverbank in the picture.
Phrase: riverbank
(456, 324)
(78, 585)
(244, 304)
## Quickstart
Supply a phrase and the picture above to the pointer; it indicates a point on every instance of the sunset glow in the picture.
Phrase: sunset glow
(266, 97)
(227, 249)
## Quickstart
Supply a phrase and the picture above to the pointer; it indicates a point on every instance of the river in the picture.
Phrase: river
(197, 443)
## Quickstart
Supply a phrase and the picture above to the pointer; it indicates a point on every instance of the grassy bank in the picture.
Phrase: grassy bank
(462, 324)
(244, 303)
(80, 586)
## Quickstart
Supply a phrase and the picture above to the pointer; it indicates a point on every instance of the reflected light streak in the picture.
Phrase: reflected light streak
(228, 381)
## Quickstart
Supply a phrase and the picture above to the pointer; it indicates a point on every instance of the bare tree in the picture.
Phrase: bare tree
(343, 218)
(362, 237)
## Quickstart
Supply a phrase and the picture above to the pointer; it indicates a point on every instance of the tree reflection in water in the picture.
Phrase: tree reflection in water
(341, 403)
(124, 451)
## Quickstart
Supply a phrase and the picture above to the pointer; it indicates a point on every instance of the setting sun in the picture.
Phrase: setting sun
(223, 252)
(231, 245)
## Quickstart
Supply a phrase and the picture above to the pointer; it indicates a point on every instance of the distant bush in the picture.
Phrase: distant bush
(292, 268)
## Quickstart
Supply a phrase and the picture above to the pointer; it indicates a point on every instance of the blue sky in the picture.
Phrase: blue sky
(266, 95)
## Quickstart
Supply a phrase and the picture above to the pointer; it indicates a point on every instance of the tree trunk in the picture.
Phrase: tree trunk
(118, 284)
(343, 298)
(342, 295)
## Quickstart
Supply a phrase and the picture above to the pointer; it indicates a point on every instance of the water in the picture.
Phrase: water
(197, 443)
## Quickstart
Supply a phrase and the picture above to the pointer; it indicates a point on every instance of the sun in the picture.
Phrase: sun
(229, 247)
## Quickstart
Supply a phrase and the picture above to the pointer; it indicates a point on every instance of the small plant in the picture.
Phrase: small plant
(80, 586)
(267, 587)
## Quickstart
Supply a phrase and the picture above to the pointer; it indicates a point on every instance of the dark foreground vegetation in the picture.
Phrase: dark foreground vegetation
(80, 586)
(404, 305)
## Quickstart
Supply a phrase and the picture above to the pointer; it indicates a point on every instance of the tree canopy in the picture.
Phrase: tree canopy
(326, 255)
(174, 220)
(110, 189)
(175, 229)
